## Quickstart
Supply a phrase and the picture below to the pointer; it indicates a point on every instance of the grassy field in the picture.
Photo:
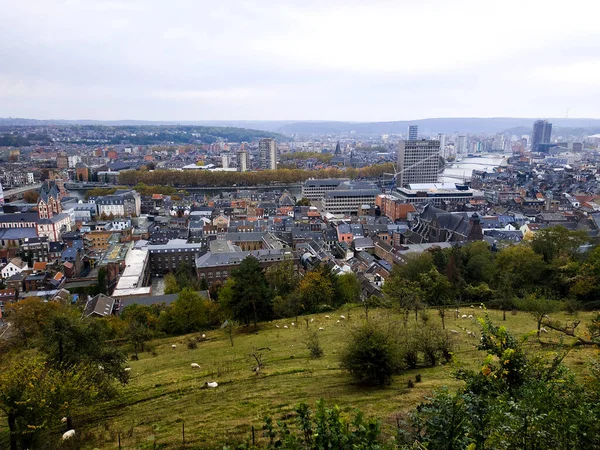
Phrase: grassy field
(165, 393)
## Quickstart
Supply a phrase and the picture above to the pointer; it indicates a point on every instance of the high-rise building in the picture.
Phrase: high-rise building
(418, 162)
(461, 145)
(542, 130)
(243, 161)
(226, 159)
(413, 132)
(267, 151)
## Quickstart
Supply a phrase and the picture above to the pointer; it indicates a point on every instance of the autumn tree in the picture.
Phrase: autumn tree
(28, 318)
(252, 299)
(315, 289)
(283, 278)
(438, 292)
(539, 308)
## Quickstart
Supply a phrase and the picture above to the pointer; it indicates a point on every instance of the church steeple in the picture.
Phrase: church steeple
(338, 149)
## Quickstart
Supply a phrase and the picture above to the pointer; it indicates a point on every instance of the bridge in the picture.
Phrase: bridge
(15, 192)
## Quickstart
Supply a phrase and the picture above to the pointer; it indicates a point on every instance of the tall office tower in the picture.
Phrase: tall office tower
(267, 151)
(243, 161)
(418, 162)
(542, 130)
(461, 145)
(413, 132)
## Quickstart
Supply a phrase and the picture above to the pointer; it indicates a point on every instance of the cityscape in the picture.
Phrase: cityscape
(299, 225)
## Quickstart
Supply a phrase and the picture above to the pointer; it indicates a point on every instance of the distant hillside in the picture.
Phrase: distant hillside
(467, 125)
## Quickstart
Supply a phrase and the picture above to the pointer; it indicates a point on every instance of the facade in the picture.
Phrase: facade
(542, 130)
(461, 145)
(418, 162)
(243, 161)
(218, 266)
(314, 190)
(165, 258)
(394, 208)
(121, 204)
(413, 132)
(267, 151)
(348, 201)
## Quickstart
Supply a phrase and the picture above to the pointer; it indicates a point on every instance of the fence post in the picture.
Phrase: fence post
(253, 435)
(119, 434)
(183, 433)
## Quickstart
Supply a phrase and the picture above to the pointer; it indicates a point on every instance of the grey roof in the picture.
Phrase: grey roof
(223, 259)
(101, 305)
(363, 243)
(325, 182)
(352, 193)
(18, 217)
(17, 233)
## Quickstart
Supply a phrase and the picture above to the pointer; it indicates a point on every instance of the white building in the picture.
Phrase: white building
(267, 150)
(243, 161)
(15, 265)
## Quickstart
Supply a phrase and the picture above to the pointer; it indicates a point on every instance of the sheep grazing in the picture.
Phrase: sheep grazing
(321, 329)
(195, 365)
(338, 321)
(212, 384)
(203, 336)
(470, 316)
(312, 320)
(173, 346)
(453, 331)
(286, 327)
(276, 326)
(480, 307)
(464, 316)
(472, 306)
(68, 435)
(543, 330)
(327, 317)
(343, 317)
(127, 369)
(63, 420)
(293, 324)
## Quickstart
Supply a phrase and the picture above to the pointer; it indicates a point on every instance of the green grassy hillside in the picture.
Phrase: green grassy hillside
(165, 393)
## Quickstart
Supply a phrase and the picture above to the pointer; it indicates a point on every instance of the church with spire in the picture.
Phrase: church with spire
(52, 222)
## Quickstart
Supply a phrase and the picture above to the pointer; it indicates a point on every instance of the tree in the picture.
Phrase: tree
(171, 284)
(315, 289)
(252, 297)
(30, 196)
(403, 294)
(138, 334)
(415, 266)
(283, 278)
(371, 356)
(521, 266)
(186, 315)
(29, 317)
(437, 292)
(303, 202)
(480, 265)
(553, 242)
(34, 396)
(539, 308)
(347, 288)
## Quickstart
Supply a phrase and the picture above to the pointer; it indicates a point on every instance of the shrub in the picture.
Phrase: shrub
(418, 378)
(410, 384)
(313, 344)
(192, 344)
(371, 356)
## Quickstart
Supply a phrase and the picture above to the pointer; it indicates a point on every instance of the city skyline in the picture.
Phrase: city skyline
(111, 60)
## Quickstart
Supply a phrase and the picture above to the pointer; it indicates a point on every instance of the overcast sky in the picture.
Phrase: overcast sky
(362, 60)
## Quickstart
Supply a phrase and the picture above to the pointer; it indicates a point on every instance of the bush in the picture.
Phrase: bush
(192, 344)
(418, 378)
(410, 384)
(371, 356)
(313, 344)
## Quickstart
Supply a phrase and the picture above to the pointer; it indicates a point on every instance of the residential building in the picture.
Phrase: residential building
(267, 151)
(243, 161)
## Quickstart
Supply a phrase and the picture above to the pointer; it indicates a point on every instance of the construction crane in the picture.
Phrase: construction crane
(398, 172)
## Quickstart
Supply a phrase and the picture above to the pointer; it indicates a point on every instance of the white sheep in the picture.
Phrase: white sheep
(68, 435)
(100, 367)
(286, 327)
(543, 330)
(480, 307)
(327, 317)
(338, 321)
(343, 317)
(472, 306)
(453, 331)
(63, 420)
(212, 384)
(321, 329)
(173, 346)
(464, 316)
(293, 324)
(470, 316)
(312, 320)
(127, 369)
(195, 366)
(203, 336)
(276, 326)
